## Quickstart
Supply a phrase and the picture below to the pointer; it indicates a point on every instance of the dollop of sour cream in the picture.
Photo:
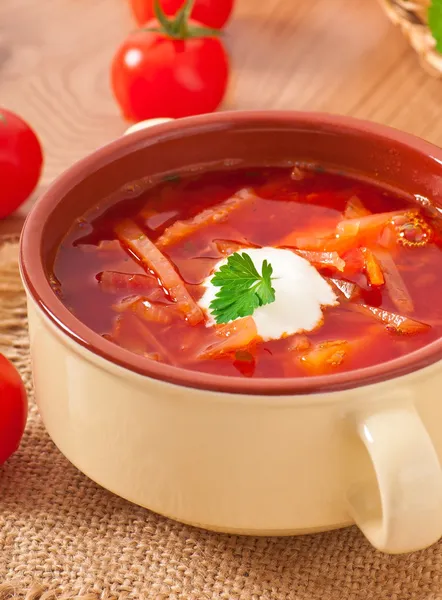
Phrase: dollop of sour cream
(300, 294)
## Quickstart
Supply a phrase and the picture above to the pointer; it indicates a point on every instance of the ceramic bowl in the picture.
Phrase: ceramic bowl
(248, 456)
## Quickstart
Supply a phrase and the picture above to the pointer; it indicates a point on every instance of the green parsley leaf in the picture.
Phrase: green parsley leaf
(243, 289)
(435, 22)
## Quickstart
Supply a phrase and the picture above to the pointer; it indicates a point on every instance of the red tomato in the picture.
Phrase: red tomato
(21, 161)
(13, 409)
(212, 13)
(154, 75)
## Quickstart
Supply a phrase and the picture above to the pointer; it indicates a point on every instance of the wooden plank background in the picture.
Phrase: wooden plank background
(339, 56)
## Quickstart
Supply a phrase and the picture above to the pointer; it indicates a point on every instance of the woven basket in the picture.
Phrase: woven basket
(411, 16)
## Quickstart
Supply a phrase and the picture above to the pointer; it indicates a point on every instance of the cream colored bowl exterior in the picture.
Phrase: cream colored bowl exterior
(248, 464)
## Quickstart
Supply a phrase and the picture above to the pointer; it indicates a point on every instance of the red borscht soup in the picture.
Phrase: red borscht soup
(263, 272)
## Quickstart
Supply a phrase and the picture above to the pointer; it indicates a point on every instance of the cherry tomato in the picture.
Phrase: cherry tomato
(21, 161)
(156, 75)
(212, 13)
(13, 409)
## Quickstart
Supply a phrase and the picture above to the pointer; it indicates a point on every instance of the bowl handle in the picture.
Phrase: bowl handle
(404, 513)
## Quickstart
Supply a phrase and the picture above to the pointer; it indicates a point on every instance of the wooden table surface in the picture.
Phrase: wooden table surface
(340, 56)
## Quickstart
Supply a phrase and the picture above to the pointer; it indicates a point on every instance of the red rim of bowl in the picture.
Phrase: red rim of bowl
(38, 286)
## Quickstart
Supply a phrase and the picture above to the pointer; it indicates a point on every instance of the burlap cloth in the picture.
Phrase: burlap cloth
(61, 535)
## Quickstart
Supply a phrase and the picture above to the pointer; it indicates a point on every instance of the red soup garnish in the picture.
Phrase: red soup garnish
(263, 272)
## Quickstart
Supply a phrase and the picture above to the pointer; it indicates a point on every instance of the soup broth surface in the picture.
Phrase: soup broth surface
(117, 270)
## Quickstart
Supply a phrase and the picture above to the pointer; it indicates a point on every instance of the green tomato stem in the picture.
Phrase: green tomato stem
(178, 27)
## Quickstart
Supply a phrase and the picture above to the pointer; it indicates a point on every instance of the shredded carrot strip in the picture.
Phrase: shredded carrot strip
(355, 209)
(146, 310)
(228, 247)
(125, 304)
(323, 259)
(114, 282)
(154, 220)
(370, 224)
(354, 261)
(325, 356)
(215, 214)
(328, 243)
(393, 322)
(394, 283)
(388, 237)
(131, 236)
(347, 289)
(130, 333)
(372, 268)
(234, 336)
(154, 313)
